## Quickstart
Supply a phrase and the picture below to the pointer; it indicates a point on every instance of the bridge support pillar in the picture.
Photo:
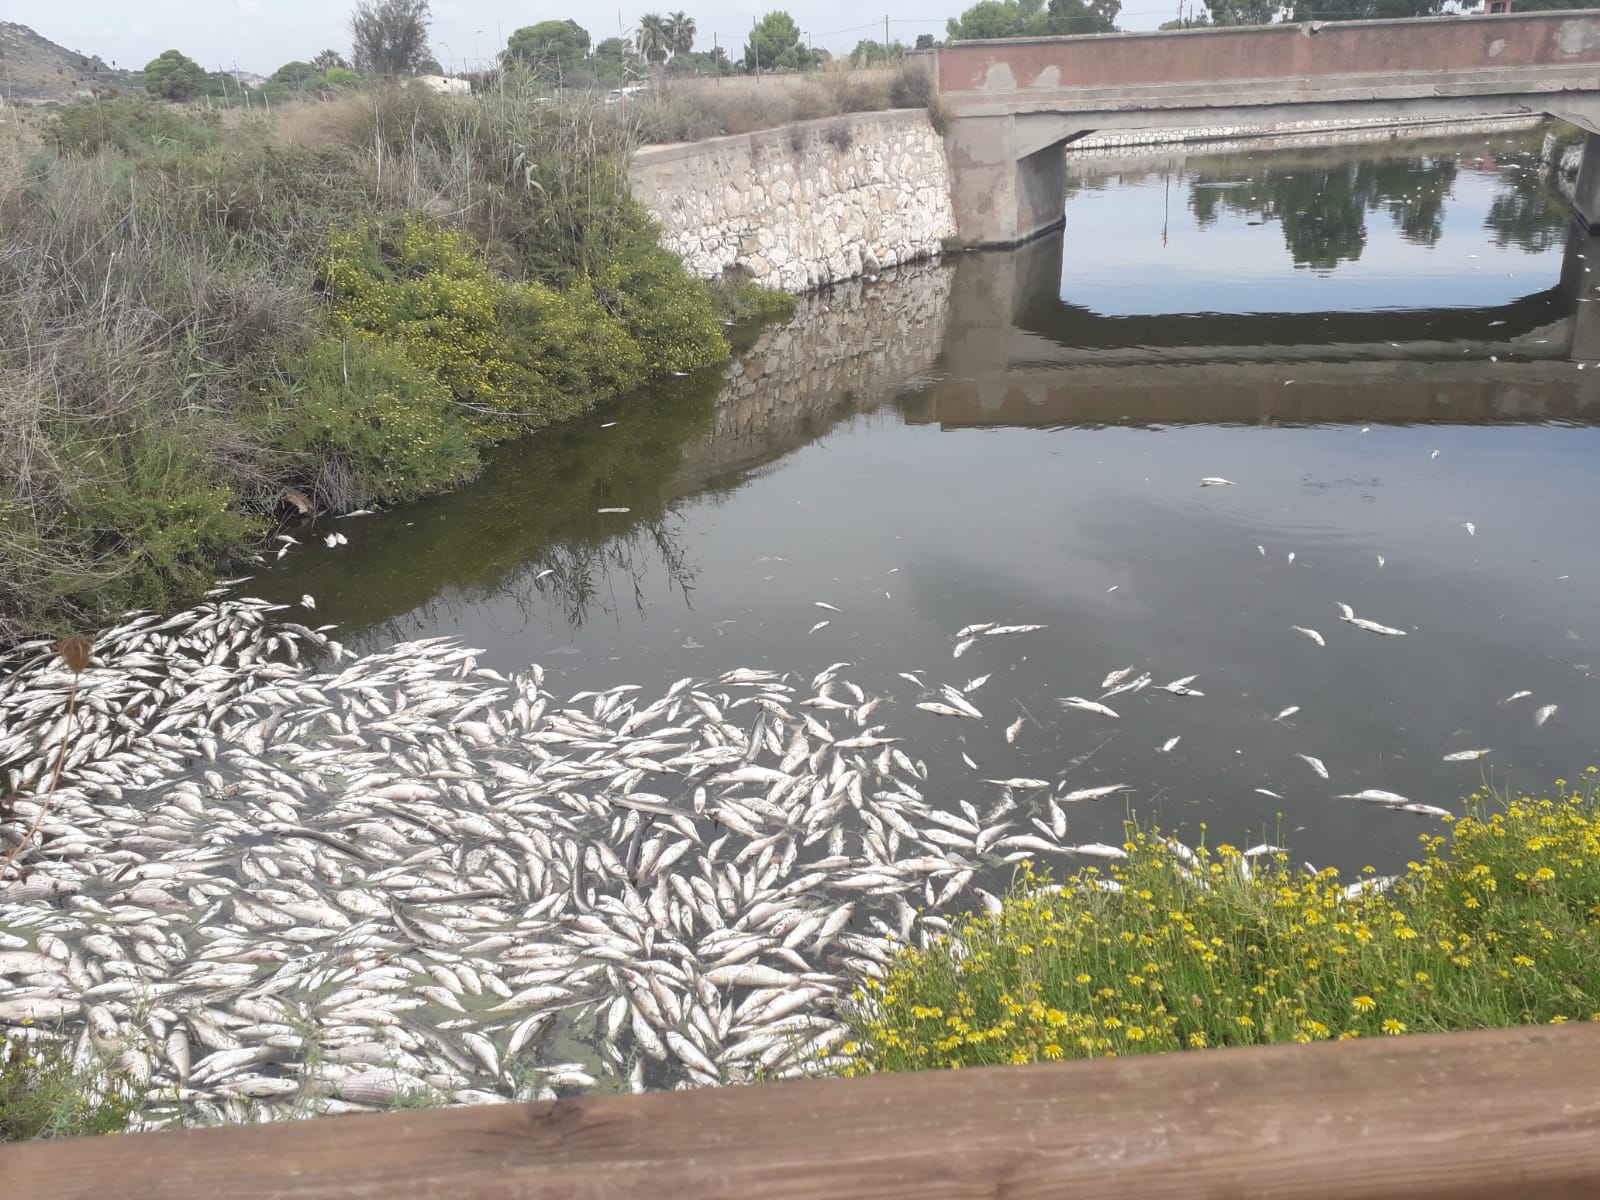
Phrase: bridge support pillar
(1001, 197)
(1586, 195)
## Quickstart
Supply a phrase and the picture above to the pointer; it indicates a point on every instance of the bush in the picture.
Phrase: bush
(131, 125)
(43, 1095)
(166, 298)
(1197, 949)
(911, 86)
(354, 422)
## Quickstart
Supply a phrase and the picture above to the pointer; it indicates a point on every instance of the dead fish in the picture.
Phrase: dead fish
(817, 626)
(1465, 755)
(967, 631)
(1216, 481)
(1315, 764)
(1376, 796)
(1472, 530)
(308, 601)
(1093, 706)
(943, 710)
(1013, 729)
(1288, 712)
(1004, 630)
(1093, 793)
(963, 646)
(1380, 561)
(1515, 696)
(1310, 633)
(1116, 677)
(1021, 783)
(1168, 745)
(1267, 792)
(824, 604)
(1426, 810)
(613, 510)
(1374, 627)
(1544, 714)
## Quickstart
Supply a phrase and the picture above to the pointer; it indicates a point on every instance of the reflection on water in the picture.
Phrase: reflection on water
(1018, 437)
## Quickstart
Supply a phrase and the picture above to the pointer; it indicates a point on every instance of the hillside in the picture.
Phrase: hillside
(34, 70)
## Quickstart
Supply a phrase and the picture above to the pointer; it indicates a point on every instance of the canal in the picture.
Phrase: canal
(1380, 349)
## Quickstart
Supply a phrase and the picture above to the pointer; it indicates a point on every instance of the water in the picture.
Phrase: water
(1018, 437)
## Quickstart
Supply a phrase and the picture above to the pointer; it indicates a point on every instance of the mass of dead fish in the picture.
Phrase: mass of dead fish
(277, 879)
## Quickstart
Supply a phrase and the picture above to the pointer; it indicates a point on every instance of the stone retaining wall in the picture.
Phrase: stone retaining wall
(806, 205)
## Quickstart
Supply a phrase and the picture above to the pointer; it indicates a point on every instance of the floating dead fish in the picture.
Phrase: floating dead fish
(1516, 696)
(613, 510)
(1093, 793)
(1465, 755)
(1544, 714)
(1377, 796)
(1216, 481)
(1287, 713)
(1013, 730)
(1266, 792)
(824, 604)
(1310, 633)
(1171, 744)
(1314, 763)
(1093, 706)
(817, 626)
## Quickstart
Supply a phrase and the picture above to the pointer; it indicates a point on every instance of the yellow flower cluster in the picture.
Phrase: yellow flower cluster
(1200, 948)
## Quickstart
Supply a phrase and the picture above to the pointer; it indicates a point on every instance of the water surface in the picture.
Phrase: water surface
(1376, 346)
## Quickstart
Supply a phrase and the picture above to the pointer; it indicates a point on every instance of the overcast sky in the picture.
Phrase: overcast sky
(262, 35)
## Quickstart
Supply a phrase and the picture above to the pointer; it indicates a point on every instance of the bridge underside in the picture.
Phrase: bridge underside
(1008, 174)
(1013, 104)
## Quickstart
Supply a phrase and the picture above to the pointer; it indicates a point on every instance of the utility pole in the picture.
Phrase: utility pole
(755, 48)
(885, 35)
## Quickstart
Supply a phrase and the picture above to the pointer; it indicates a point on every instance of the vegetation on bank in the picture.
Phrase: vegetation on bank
(44, 1094)
(351, 299)
(1497, 925)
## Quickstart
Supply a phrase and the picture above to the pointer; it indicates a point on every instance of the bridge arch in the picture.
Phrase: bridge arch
(1012, 105)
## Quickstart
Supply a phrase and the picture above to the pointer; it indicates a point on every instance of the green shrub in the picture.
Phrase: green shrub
(354, 422)
(131, 125)
(911, 86)
(1197, 949)
(745, 300)
(42, 1095)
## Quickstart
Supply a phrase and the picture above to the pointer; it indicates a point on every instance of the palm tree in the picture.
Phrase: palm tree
(680, 33)
(653, 38)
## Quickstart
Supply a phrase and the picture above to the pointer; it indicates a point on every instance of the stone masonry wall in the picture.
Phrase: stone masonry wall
(803, 206)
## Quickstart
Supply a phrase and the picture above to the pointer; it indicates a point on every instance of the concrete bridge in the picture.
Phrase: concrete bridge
(1012, 105)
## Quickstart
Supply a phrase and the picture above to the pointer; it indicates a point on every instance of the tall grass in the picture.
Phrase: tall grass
(168, 361)
(692, 110)
(1497, 925)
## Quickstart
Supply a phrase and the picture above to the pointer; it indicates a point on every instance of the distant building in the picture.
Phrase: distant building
(448, 87)
(1500, 6)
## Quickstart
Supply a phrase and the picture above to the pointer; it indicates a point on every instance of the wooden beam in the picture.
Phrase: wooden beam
(1489, 1114)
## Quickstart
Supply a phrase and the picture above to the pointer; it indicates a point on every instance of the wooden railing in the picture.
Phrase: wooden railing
(1512, 1113)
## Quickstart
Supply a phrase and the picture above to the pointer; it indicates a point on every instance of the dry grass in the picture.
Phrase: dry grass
(695, 109)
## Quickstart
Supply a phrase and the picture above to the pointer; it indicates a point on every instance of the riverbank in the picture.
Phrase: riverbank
(1179, 949)
(210, 325)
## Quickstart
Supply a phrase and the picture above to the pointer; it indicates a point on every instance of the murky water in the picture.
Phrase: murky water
(1375, 346)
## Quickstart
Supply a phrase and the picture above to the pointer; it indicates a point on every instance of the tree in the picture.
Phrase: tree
(680, 33)
(869, 53)
(1084, 16)
(925, 41)
(775, 45)
(653, 38)
(296, 73)
(549, 50)
(1000, 19)
(330, 60)
(173, 76)
(389, 37)
(1243, 12)
(1365, 10)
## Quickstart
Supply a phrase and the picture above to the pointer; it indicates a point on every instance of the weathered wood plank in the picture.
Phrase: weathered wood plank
(1498, 1113)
